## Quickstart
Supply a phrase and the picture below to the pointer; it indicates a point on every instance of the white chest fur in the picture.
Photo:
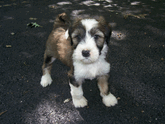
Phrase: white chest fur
(90, 71)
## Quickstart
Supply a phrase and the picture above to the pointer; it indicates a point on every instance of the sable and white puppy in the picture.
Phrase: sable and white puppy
(83, 47)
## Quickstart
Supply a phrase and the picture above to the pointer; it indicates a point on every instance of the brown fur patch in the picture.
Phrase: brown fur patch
(57, 45)
(103, 84)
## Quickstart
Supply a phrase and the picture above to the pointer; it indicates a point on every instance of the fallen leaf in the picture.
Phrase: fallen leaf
(12, 33)
(7, 5)
(25, 2)
(31, 18)
(118, 98)
(136, 16)
(67, 100)
(33, 24)
(3, 112)
(8, 46)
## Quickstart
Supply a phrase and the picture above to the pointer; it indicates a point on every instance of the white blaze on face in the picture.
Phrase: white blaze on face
(88, 43)
(89, 24)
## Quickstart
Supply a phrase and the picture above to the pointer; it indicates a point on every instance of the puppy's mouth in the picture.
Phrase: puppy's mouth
(87, 60)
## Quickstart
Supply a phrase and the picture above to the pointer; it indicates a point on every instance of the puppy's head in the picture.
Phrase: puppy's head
(88, 37)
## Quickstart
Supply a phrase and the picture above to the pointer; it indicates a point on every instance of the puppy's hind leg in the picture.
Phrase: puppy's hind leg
(107, 98)
(46, 69)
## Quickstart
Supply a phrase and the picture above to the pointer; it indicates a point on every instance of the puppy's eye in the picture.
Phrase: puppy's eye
(78, 37)
(96, 37)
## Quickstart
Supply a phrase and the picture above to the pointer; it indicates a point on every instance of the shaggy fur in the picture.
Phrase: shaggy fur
(83, 47)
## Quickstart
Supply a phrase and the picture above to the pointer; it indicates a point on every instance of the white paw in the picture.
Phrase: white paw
(46, 80)
(78, 103)
(109, 100)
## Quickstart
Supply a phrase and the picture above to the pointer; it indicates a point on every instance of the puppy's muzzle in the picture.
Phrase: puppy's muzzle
(86, 53)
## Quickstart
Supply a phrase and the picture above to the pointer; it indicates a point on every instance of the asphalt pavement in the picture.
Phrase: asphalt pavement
(137, 57)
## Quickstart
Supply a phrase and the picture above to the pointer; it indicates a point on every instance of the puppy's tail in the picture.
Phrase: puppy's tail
(62, 20)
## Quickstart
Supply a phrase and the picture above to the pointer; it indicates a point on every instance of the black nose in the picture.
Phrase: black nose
(86, 53)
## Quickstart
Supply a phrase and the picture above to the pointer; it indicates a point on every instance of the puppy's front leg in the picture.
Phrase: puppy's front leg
(77, 94)
(108, 98)
(46, 69)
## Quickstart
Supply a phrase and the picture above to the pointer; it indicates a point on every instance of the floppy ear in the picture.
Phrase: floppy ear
(70, 32)
(108, 32)
(106, 28)
(72, 26)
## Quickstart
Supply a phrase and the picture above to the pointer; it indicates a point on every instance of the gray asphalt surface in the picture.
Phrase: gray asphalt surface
(137, 57)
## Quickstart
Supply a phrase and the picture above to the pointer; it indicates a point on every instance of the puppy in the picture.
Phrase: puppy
(83, 47)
